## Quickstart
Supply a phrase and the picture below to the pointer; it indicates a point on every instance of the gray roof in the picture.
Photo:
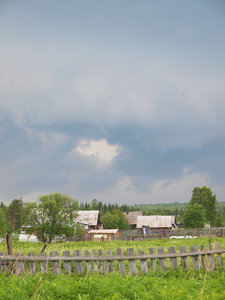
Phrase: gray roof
(155, 221)
(89, 217)
(132, 216)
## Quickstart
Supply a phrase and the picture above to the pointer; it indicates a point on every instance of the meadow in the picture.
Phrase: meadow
(171, 284)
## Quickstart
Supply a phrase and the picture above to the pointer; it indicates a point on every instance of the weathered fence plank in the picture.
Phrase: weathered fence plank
(121, 262)
(195, 258)
(67, 264)
(211, 259)
(143, 262)
(109, 268)
(32, 265)
(88, 263)
(95, 263)
(132, 263)
(184, 259)
(44, 264)
(3, 266)
(153, 260)
(219, 256)
(78, 264)
(162, 261)
(203, 258)
(19, 264)
(173, 260)
(102, 263)
(80, 260)
(55, 264)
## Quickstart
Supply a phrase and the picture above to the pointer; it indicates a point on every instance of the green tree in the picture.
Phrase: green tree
(14, 214)
(3, 225)
(51, 216)
(205, 197)
(194, 216)
(115, 220)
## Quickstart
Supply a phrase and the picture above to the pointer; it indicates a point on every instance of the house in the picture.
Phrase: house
(156, 222)
(103, 234)
(132, 218)
(89, 218)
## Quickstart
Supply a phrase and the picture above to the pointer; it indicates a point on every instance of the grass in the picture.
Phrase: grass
(172, 284)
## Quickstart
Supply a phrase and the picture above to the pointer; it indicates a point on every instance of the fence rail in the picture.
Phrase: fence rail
(17, 262)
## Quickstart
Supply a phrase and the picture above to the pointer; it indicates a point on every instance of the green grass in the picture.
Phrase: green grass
(172, 284)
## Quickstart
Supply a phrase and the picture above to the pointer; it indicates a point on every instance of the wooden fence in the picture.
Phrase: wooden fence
(17, 263)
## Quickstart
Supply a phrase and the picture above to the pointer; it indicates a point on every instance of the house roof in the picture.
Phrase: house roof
(103, 231)
(89, 217)
(155, 221)
(132, 216)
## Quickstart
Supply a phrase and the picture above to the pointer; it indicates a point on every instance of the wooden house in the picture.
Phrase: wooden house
(156, 222)
(132, 218)
(89, 217)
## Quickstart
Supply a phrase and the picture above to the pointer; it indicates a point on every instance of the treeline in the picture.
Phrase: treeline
(10, 217)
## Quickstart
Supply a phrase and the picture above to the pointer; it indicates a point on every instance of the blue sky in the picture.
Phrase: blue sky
(122, 101)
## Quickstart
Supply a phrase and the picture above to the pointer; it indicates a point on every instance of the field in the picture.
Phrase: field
(171, 284)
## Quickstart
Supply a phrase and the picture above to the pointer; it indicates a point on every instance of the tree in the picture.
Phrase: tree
(205, 197)
(3, 225)
(194, 216)
(115, 220)
(51, 216)
(14, 214)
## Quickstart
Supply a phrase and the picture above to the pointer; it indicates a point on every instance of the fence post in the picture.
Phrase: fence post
(78, 264)
(109, 262)
(44, 264)
(143, 262)
(219, 255)
(19, 264)
(2, 265)
(211, 259)
(88, 263)
(153, 260)
(184, 259)
(95, 263)
(203, 258)
(102, 263)
(67, 264)
(195, 258)
(162, 261)
(173, 260)
(121, 262)
(132, 263)
(55, 264)
(32, 266)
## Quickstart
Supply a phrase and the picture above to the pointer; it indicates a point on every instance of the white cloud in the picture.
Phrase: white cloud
(99, 151)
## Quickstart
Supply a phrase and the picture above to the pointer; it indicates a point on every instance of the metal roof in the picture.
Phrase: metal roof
(155, 221)
(89, 217)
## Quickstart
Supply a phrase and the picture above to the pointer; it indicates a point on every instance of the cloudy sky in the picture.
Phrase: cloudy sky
(122, 101)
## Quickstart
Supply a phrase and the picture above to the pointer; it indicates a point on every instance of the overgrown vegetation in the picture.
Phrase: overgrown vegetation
(172, 284)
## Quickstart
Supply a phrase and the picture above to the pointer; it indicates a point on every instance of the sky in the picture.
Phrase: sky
(120, 101)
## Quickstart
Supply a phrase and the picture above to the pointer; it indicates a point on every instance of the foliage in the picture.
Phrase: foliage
(78, 229)
(51, 216)
(115, 220)
(172, 284)
(14, 214)
(194, 216)
(3, 226)
(205, 197)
